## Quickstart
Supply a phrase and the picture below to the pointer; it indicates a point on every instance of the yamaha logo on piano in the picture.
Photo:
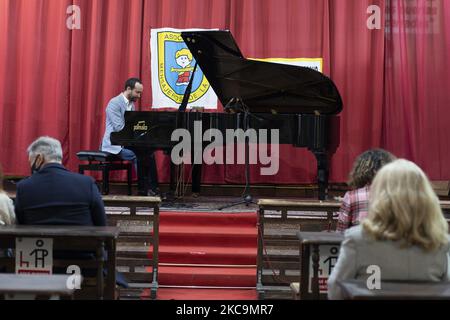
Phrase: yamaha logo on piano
(140, 126)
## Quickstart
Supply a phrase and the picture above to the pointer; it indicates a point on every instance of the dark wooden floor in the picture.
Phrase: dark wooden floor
(214, 196)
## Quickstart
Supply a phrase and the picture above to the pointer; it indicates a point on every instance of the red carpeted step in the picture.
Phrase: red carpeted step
(206, 255)
(208, 218)
(203, 294)
(225, 242)
(226, 235)
(206, 276)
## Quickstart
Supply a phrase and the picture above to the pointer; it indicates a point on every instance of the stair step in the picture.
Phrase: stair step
(208, 230)
(207, 276)
(203, 294)
(208, 218)
(206, 255)
(201, 235)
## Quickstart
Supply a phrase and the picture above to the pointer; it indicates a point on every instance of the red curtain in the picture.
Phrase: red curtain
(357, 68)
(417, 82)
(393, 81)
(34, 78)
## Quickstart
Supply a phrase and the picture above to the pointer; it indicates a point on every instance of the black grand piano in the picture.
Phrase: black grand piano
(300, 102)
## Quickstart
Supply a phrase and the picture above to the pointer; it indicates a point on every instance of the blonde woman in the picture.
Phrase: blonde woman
(405, 233)
(7, 215)
(355, 204)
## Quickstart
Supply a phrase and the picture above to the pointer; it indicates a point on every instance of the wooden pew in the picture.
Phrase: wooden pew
(278, 253)
(139, 232)
(278, 257)
(398, 290)
(101, 240)
(445, 206)
(134, 241)
(50, 287)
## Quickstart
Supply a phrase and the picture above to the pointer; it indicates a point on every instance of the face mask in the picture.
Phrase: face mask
(35, 168)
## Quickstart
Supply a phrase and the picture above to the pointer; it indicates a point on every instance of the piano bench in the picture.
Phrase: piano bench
(104, 162)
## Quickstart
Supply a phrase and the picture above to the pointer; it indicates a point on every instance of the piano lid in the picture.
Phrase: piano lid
(262, 86)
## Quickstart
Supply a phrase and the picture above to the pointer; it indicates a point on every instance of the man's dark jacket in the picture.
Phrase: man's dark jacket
(56, 196)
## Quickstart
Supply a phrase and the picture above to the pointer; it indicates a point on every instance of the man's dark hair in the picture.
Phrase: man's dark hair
(132, 83)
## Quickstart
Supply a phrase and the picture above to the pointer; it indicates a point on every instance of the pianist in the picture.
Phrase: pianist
(115, 121)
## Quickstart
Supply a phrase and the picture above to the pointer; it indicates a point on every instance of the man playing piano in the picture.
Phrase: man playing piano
(115, 121)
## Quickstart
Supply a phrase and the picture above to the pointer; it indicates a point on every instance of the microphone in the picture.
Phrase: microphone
(235, 104)
(229, 106)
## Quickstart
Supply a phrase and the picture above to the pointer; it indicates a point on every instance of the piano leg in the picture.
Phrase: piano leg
(142, 172)
(146, 171)
(152, 172)
(175, 175)
(322, 173)
(196, 177)
(173, 169)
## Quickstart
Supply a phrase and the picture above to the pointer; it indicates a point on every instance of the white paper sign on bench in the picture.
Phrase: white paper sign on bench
(34, 255)
(327, 260)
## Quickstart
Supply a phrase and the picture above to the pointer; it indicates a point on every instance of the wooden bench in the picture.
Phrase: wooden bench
(50, 287)
(101, 240)
(442, 188)
(398, 290)
(278, 253)
(445, 206)
(139, 233)
(134, 241)
(278, 256)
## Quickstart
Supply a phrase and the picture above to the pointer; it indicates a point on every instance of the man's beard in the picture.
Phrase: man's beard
(132, 99)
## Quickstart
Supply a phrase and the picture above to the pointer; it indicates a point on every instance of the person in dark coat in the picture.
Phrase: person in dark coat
(53, 195)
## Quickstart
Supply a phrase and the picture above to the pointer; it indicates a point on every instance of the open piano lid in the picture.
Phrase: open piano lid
(262, 86)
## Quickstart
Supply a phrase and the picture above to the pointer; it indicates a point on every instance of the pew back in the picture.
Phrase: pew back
(137, 251)
(278, 254)
(396, 290)
(101, 241)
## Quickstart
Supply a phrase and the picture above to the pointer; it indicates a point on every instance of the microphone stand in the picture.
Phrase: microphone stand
(247, 198)
(176, 174)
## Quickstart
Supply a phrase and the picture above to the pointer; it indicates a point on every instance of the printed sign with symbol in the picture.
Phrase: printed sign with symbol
(34, 255)
(327, 261)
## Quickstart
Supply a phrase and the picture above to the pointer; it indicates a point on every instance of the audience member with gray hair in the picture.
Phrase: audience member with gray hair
(44, 150)
(53, 194)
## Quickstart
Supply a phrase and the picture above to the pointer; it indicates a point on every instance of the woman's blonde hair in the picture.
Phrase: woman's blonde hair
(403, 207)
(367, 165)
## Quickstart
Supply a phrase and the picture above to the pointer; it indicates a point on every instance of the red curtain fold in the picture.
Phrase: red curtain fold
(104, 53)
(417, 84)
(357, 68)
(394, 81)
(34, 78)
